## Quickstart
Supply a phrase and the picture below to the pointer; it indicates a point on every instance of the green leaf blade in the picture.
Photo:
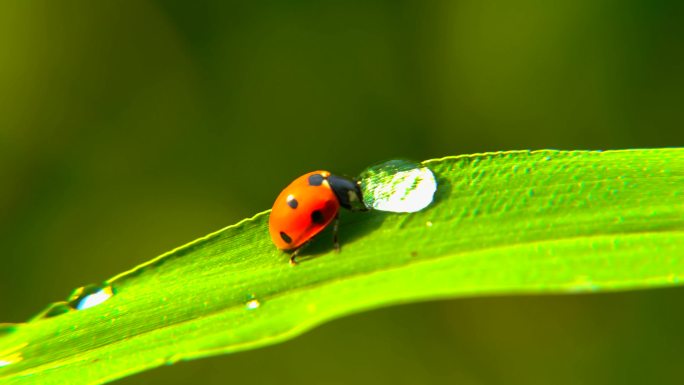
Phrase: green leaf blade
(501, 223)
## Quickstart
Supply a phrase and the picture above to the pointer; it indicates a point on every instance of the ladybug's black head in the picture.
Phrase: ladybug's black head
(347, 191)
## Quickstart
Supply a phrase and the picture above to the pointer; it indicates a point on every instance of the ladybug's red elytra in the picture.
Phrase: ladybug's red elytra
(307, 206)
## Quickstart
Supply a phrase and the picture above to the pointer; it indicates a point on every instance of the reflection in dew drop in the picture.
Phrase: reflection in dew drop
(95, 299)
(253, 304)
(398, 186)
(90, 296)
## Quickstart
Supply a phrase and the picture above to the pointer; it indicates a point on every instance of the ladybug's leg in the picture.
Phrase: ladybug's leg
(336, 243)
(295, 253)
(293, 256)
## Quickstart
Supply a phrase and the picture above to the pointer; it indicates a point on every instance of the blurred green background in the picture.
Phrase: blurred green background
(128, 128)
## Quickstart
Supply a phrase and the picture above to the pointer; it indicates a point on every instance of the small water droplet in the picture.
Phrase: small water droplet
(90, 296)
(12, 355)
(253, 304)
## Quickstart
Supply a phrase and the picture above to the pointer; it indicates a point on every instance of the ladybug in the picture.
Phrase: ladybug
(307, 206)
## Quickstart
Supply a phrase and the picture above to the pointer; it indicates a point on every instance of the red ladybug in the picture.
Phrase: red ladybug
(307, 206)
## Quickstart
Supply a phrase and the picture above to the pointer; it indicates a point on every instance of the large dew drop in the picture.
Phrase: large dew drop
(398, 186)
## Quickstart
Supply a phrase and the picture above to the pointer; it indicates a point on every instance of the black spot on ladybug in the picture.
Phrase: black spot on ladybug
(285, 237)
(317, 217)
(316, 180)
(292, 202)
